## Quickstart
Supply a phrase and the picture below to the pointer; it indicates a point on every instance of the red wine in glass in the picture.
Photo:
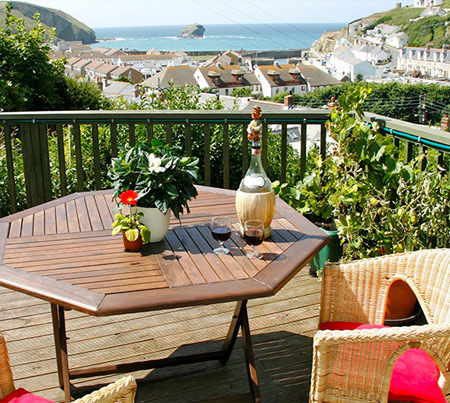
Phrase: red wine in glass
(254, 236)
(221, 234)
(221, 231)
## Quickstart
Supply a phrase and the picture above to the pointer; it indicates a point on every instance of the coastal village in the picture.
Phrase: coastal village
(359, 52)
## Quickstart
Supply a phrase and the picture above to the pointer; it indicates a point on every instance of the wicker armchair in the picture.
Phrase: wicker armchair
(356, 365)
(123, 390)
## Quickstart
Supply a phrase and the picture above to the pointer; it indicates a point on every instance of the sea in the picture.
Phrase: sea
(216, 37)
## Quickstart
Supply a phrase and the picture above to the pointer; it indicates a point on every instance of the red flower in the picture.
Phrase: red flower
(129, 197)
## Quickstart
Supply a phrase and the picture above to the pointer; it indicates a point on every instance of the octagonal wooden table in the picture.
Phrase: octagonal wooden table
(63, 252)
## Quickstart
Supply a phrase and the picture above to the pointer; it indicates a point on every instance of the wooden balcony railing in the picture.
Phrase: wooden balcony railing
(26, 136)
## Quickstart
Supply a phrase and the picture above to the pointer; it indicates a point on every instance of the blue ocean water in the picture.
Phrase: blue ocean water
(216, 37)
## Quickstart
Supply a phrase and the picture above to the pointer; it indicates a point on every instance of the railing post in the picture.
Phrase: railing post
(244, 149)
(283, 152)
(265, 142)
(303, 140)
(36, 163)
(226, 156)
(207, 162)
(10, 168)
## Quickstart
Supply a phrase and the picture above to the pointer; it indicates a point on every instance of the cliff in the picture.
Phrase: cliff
(193, 31)
(67, 27)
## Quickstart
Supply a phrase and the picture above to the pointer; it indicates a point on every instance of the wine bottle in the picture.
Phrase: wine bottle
(255, 198)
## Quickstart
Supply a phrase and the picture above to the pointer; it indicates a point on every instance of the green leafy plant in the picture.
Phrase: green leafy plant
(160, 175)
(130, 223)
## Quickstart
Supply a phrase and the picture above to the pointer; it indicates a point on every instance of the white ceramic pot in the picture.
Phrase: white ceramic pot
(157, 222)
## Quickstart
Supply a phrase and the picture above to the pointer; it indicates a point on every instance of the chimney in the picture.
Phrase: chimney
(137, 91)
(99, 84)
(398, 5)
(288, 101)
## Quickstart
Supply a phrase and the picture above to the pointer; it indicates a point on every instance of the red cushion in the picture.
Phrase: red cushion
(347, 326)
(23, 396)
(415, 378)
(415, 375)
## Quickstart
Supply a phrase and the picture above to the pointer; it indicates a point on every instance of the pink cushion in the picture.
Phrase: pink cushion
(23, 396)
(415, 375)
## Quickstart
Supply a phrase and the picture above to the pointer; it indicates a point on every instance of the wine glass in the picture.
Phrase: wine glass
(254, 235)
(221, 231)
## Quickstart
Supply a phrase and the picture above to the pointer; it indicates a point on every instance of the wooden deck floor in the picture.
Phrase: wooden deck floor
(282, 327)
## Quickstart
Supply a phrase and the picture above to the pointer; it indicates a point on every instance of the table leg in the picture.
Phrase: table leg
(250, 358)
(233, 331)
(62, 361)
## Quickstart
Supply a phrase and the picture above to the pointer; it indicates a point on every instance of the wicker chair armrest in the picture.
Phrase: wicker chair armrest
(409, 334)
(356, 365)
(124, 389)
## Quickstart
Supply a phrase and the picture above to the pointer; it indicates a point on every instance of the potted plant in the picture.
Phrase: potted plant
(134, 234)
(313, 197)
(163, 179)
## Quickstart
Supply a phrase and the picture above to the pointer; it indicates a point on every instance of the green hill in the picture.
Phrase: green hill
(429, 30)
(67, 27)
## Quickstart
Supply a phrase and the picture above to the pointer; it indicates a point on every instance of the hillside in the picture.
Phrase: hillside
(429, 30)
(67, 27)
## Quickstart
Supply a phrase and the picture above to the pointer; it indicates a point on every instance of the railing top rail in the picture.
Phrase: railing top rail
(410, 131)
(165, 116)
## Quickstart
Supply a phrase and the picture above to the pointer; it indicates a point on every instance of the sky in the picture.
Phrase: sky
(121, 13)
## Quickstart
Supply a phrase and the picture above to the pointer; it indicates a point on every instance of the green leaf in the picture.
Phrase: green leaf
(145, 234)
(132, 234)
(116, 230)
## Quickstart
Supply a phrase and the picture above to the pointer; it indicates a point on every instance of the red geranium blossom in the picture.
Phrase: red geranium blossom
(129, 197)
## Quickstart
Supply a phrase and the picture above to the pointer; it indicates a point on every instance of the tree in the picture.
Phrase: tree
(28, 79)
(242, 92)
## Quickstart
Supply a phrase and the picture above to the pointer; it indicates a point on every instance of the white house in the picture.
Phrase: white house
(357, 25)
(368, 53)
(427, 61)
(280, 78)
(151, 62)
(223, 79)
(344, 65)
(427, 3)
(398, 40)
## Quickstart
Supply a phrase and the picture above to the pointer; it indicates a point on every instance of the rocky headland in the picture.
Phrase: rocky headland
(193, 31)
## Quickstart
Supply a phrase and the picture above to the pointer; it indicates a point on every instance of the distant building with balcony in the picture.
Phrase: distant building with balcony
(223, 79)
(427, 3)
(428, 61)
(277, 78)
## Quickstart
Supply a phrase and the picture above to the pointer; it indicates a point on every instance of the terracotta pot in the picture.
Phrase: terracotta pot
(132, 246)
(401, 301)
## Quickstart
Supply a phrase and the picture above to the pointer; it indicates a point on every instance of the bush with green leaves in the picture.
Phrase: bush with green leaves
(379, 203)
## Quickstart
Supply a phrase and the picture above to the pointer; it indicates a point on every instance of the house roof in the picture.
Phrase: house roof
(279, 76)
(118, 88)
(179, 75)
(94, 65)
(227, 77)
(316, 77)
(82, 63)
(142, 57)
(106, 68)
(72, 60)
